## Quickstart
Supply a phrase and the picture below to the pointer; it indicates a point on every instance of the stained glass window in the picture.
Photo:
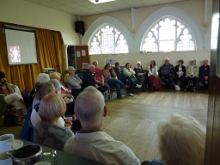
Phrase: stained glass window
(167, 35)
(108, 40)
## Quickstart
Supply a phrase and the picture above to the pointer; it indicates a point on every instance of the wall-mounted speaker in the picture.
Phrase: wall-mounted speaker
(79, 27)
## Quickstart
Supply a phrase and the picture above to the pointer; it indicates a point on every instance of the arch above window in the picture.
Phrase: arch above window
(180, 16)
(108, 40)
(168, 34)
(113, 22)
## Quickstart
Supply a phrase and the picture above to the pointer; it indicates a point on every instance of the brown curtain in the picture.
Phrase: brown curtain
(48, 45)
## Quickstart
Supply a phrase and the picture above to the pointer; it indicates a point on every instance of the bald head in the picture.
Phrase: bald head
(205, 62)
(91, 68)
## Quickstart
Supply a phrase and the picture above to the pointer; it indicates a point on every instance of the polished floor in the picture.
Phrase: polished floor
(133, 120)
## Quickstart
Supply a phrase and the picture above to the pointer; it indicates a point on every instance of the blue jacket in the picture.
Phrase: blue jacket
(157, 162)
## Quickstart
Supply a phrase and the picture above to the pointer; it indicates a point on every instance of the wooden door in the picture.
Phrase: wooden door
(82, 56)
(212, 153)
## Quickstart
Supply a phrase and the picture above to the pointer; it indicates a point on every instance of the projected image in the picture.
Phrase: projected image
(14, 53)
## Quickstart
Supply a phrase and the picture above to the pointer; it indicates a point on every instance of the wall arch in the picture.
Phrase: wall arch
(108, 20)
(180, 14)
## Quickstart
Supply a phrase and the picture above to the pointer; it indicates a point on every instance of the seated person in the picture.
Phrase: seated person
(125, 79)
(91, 142)
(128, 71)
(89, 78)
(9, 97)
(64, 89)
(153, 76)
(192, 72)
(47, 132)
(41, 78)
(179, 74)
(43, 89)
(68, 98)
(166, 73)
(99, 78)
(139, 74)
(73, 82)
(112, 80)
(204, 73)
(181, 141)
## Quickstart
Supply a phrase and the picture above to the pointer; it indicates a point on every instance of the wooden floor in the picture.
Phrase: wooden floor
(133, 120)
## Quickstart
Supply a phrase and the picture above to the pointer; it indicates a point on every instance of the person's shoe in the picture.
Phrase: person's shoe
(130, 94)
(121, 97)
(194, 89)
(138, 86)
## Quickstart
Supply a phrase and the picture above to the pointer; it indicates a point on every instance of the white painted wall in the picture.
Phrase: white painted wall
(24, 13)
(193, 8)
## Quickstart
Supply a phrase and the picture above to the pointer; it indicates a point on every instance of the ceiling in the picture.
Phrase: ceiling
(85, 7)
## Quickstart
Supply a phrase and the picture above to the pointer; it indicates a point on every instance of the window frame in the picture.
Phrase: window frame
(177, 39)
(115, 45)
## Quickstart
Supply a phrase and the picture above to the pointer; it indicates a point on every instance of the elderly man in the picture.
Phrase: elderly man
(166, 73)
(91, 142)
(89, 77)
(204, 72)
(99, 78)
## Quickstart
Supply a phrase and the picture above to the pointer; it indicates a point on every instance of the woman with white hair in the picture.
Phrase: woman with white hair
(192, 74)
(73, 82)
(64, 89)
(181, 142)
(47, 132)
(139, 73)
(41, 78)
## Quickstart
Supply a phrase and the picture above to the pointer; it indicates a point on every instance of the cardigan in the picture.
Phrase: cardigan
(153, 71)
(195, 71)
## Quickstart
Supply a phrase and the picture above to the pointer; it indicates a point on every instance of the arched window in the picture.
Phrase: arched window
(108, 40)
(166, 35)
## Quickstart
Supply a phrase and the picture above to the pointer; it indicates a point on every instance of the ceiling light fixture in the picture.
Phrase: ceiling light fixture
(100, 1)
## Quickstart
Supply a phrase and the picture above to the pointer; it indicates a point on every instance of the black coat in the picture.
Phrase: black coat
(176, 69)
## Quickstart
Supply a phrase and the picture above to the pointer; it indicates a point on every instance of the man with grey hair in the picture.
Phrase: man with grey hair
(91, 142)
(166, 73)
(89, 77)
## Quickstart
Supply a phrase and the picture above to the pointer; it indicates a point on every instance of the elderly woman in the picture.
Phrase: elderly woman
(47, 131)
(182, 142)
(73, 82)
(44, 89)
(153, 76)
(9, 97)
(112, 80)
(139, 74)
(41, 78)
(192, 73)
(179, 74)
(64, 89)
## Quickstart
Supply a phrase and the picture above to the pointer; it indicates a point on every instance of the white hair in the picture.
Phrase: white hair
(179, 136)
(56, 84)
(167, 59)
(138, 62)
(70, 68)
(89, 106)
(43, 77)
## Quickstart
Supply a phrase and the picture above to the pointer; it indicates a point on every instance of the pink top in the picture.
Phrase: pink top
(107, 74)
